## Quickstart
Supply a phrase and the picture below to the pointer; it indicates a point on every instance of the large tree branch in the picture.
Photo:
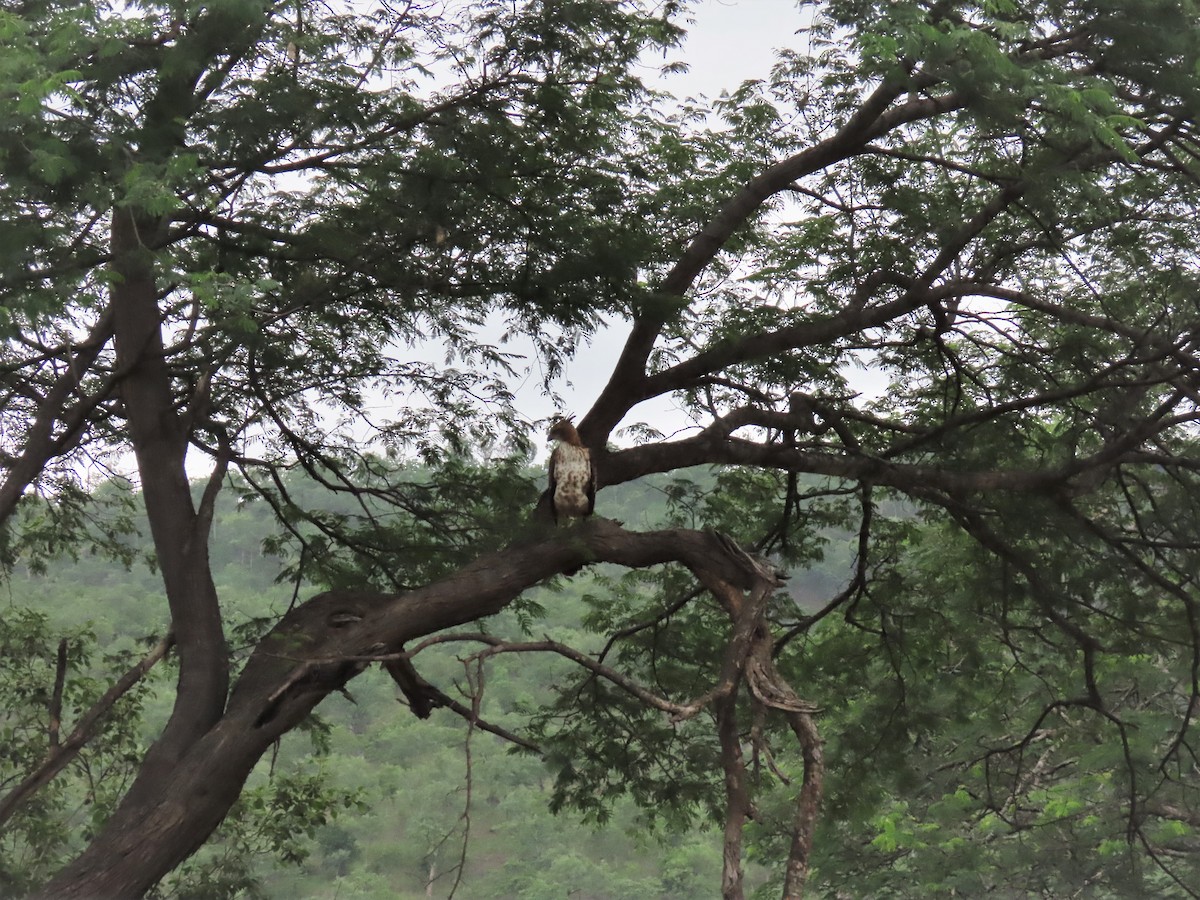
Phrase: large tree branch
(342, 626)
(626, 387)
(159, 442)
(158, 433)
(715, 445)
(322, 644)
(875, 117)
(636, 385)
(855, 318)
(306, 658)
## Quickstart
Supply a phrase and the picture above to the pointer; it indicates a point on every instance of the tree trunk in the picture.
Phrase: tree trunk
(180, 536)
(144, 839)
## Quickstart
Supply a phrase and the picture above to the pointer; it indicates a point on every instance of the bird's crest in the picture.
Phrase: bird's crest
(563, 430)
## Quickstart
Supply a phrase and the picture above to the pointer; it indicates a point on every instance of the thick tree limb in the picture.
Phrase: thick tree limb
(627, 385)
(710, 448)
(159, 444)
(325, 639)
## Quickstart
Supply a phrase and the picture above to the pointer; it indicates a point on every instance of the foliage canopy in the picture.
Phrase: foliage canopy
(232, 232)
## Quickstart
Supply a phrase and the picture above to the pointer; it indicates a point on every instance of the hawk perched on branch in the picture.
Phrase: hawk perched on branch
(572, 479)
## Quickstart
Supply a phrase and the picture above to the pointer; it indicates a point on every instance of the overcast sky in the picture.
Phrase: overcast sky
(729, 42)
(733, 40)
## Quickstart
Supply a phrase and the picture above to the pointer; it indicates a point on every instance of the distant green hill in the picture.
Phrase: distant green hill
(419, 794)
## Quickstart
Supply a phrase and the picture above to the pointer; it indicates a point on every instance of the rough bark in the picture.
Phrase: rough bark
(159, 441)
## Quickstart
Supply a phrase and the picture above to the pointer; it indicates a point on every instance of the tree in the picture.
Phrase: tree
(228, 225)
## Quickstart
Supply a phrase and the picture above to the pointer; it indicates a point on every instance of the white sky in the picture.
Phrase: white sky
(730, 41)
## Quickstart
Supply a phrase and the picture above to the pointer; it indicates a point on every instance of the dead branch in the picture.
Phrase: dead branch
(808, 803)
(496, 645)
(737, 797)
(475, 682)
(424, 697)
